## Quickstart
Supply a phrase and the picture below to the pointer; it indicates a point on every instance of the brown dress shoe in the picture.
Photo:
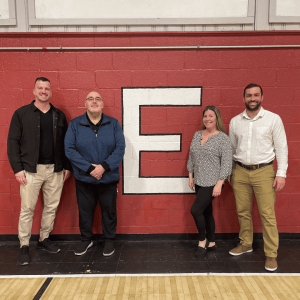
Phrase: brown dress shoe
(240, 249)
(271, 263)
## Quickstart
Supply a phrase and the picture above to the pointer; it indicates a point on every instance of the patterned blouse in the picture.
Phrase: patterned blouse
(212, 161)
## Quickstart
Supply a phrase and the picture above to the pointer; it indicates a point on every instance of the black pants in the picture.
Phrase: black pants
(87, 196)
(202, 212)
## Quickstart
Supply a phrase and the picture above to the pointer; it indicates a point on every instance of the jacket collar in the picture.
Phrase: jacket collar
(85, 122)
(34, 108)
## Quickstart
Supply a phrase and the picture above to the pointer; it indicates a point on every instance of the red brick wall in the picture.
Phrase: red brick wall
(222, 73)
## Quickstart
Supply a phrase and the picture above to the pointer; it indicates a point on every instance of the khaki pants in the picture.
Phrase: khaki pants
(52, 184)
(245, 183)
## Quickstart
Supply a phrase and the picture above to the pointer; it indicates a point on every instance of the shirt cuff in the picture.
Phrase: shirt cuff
(105, 166)
(281, 173)
(18, 168)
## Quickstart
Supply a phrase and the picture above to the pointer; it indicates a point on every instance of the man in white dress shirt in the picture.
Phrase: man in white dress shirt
(257, 135)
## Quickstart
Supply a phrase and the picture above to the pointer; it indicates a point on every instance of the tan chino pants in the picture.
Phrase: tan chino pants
(245, 184)
(51, 184)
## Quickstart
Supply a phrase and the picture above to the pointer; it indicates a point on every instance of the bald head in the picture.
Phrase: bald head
(93, 94)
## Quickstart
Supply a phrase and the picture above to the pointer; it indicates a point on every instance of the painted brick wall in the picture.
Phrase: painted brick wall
(222, 73)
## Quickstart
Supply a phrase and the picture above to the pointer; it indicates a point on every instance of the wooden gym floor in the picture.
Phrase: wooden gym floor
(153, 287)
(149, 270)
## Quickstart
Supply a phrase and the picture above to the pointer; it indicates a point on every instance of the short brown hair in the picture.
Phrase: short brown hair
(251, 85)
(41, 79)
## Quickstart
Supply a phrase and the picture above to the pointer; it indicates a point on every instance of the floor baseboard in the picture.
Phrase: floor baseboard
(147, 237)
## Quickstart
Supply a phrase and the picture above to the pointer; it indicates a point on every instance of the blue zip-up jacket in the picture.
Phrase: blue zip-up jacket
(83, 148)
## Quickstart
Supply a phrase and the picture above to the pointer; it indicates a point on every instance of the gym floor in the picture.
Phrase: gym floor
(147, 257)
(157, 270)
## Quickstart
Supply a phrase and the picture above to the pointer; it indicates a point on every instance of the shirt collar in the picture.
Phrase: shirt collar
(98, 124)
(34, 108)
(259, 115)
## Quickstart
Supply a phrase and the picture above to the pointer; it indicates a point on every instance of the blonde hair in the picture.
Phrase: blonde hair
(220, 124)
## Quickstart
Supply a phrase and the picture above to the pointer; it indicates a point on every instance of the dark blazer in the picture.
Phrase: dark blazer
(24, 139)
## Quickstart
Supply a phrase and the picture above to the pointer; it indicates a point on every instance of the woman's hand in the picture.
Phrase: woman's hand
(218, 188)
(191, 182)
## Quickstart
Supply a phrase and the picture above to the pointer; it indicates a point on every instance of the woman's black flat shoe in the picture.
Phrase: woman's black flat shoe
(200, 252)
(214, 247)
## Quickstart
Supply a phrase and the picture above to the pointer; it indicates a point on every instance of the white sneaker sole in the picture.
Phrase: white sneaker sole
(81, 253)
(271, 270)
(237, 254)
(109, 254)
(23, 264)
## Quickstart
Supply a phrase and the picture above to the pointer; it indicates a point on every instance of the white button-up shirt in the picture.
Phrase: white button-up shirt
(258, 140)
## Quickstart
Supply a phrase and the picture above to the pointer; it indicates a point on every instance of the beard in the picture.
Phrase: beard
(256, 107)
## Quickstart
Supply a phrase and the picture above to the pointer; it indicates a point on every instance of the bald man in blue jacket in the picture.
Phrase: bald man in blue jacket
(95, 145)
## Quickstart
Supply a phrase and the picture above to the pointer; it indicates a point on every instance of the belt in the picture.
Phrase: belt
(253, 167)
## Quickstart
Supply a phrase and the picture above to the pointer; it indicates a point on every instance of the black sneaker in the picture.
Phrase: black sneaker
(109, 248)
(83, 247)
(47, 245)
(23, 257)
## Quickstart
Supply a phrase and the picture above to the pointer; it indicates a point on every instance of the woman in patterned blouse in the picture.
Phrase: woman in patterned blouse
(209, 164)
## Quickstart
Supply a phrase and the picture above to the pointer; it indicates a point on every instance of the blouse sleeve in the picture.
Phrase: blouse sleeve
(226, 159)
(190, 163)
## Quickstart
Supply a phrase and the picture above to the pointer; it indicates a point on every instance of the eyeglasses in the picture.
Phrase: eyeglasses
(90, 99)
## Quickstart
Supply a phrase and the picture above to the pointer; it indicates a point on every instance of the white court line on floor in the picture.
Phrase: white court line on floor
(148, 275)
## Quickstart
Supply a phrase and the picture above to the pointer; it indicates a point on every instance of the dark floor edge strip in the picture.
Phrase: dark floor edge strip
(43, 288)
(146, 237)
